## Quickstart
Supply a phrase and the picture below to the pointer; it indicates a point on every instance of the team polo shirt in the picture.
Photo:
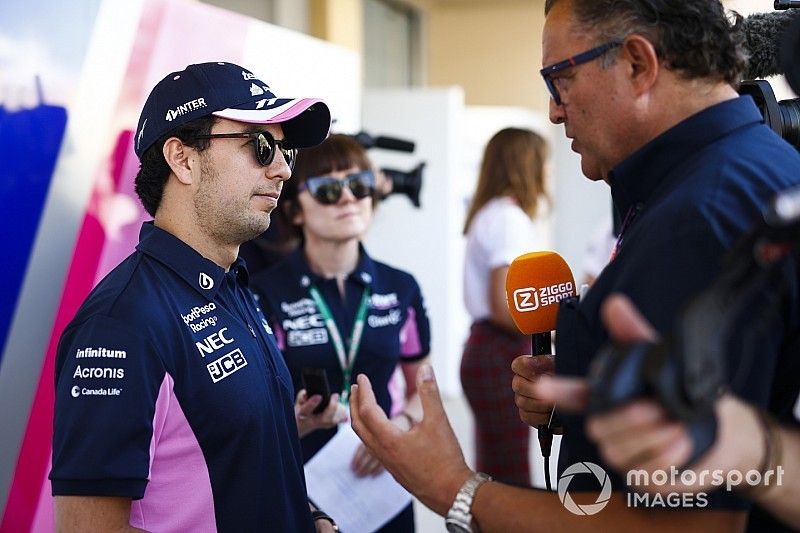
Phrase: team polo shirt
(690, 194)
(396, 328)
(170, 391)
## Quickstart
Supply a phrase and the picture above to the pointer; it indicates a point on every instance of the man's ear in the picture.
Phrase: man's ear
(644, 62)
(177, 155)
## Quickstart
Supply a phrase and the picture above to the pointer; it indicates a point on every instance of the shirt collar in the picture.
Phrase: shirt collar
(200, 273)
(364, 273)
(638, 177)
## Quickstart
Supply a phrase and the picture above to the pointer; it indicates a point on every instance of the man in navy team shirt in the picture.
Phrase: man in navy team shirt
(174, 408)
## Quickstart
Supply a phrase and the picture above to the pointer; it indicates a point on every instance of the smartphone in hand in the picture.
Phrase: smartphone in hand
(315, 381)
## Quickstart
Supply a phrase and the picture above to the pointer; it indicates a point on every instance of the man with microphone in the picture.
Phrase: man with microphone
(646, 91)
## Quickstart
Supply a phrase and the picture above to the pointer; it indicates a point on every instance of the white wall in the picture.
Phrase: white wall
(425, 242)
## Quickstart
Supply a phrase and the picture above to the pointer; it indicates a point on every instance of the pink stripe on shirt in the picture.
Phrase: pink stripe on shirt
(410, 344)
(178, 496)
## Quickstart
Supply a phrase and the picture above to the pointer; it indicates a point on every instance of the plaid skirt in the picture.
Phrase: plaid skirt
(501, 438)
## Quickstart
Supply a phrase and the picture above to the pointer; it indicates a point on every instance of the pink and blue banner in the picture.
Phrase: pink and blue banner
(66, 182)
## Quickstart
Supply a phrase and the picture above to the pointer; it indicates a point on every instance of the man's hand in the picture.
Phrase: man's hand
(528, 370)
(640, 435)
(307, 421)
(324, 526)
(427, 459)
(625, 325)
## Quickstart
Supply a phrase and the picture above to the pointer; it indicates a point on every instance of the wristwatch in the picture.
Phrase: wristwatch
(459, 517)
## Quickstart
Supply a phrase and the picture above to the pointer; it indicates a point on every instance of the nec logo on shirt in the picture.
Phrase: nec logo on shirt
(226, 365)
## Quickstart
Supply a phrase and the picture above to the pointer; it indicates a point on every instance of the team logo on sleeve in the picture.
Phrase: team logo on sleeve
(100, 352)
(77, 391)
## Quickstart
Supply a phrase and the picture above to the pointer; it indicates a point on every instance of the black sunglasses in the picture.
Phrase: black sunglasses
(579, 59)
(327, 190)
(264, 145)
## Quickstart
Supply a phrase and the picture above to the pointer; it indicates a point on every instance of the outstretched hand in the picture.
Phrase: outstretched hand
(427, 460)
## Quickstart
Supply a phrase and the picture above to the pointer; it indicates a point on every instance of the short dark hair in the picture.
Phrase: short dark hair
(153, 168)
(694, 38)
(337, 152)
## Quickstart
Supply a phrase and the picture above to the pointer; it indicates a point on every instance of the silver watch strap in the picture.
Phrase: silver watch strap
(460, 513)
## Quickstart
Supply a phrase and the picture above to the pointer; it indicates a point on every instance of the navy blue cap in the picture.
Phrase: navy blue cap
(228, 91)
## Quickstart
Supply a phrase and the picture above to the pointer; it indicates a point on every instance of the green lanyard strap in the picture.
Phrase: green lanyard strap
(347, 359)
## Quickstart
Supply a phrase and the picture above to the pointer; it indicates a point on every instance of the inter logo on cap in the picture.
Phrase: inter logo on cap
(231, 92)
(188, 107)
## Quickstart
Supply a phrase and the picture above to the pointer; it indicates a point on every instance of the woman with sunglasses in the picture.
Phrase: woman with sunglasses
(503, 221)
(333, 307)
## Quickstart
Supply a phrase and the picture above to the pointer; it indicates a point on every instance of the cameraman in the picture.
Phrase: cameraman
(641, 436)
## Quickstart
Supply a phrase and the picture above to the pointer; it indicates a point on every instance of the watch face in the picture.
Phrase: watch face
(454, 526)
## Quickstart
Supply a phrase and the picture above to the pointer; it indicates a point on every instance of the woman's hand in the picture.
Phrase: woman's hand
(307, 421)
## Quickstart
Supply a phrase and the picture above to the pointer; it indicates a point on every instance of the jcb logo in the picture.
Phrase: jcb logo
(526, 299)
(226, 365)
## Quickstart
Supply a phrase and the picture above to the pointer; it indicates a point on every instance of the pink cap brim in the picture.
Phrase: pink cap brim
(273, 115)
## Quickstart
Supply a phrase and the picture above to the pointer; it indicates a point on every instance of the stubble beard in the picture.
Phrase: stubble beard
(226, 220)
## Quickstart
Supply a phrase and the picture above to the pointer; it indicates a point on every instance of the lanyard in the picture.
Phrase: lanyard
(346, 360)
(633, 211)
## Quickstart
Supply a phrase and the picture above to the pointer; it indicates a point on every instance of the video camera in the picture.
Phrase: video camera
(408, 182)
(773, 40)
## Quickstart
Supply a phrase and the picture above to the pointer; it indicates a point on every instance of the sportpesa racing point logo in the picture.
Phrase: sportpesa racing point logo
(531, 298)
(584, 468)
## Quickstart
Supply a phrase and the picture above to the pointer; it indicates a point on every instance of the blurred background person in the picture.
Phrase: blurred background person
(504, 220)
(333, 307)
(599, 249)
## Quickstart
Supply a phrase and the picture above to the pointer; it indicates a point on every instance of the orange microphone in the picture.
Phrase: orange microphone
(535, 284)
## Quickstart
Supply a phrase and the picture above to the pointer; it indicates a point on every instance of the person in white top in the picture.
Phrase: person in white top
(505, 219)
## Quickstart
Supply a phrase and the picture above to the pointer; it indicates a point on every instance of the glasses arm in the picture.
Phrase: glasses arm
(243, 135)
(579, 59)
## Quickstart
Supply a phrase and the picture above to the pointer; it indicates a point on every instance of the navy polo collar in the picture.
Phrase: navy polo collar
(364, 273)
(202, 274)
(636, 179)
